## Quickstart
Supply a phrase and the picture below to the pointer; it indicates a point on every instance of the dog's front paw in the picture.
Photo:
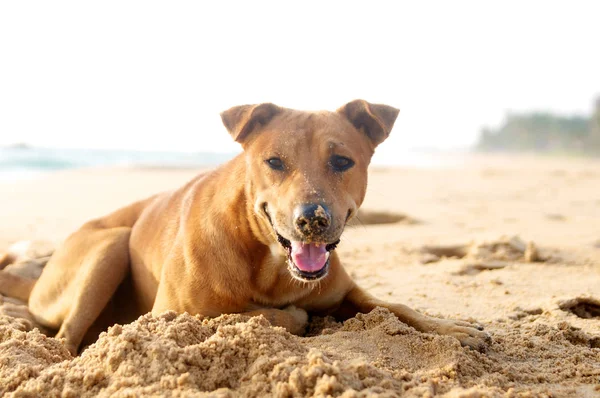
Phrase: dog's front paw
(468, 334)
(299, 319)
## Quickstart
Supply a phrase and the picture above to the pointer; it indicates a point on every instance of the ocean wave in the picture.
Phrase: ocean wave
(16, 160)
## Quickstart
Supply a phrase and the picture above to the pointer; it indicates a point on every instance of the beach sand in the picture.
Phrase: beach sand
(510, 242)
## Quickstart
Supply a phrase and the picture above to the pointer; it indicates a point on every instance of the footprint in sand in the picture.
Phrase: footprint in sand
(583, 307)
(371, 217)
(485, 256)
(520, 313)
(473, 269)
(556, 217)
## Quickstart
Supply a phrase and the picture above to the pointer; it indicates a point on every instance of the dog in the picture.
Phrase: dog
(255, 236)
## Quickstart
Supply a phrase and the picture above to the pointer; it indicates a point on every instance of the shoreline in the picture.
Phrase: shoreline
(417, 160)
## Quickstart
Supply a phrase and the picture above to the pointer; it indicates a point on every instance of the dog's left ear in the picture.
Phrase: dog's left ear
(375, 120)
(242, 120)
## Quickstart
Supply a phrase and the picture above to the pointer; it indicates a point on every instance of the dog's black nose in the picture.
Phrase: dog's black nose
(312, 219)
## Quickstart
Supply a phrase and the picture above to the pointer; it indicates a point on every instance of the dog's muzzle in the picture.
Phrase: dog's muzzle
(308, 259)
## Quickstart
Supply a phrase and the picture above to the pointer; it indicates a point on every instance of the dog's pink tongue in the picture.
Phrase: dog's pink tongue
(309, 257)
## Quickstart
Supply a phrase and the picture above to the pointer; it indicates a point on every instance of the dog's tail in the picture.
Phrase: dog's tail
(16, 286)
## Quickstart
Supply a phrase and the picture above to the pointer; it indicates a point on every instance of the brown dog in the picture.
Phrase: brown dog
(255, 236)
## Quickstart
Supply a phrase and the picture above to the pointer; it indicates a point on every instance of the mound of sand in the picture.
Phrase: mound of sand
(233, 354)
(498, 252)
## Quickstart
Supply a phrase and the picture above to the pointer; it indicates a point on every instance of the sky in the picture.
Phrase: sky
(153, 75)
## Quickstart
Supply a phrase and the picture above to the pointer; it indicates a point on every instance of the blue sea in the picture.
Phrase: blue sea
(25, 163)
(18, 163)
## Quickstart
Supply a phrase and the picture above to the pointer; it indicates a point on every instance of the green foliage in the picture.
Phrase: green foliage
(544, 132)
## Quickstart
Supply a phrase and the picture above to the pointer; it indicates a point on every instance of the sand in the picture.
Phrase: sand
(509, 242)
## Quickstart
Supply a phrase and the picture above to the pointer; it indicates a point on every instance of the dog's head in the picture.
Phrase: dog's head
(307, 173)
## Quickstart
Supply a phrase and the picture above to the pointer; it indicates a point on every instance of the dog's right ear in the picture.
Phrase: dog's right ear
(242, 120)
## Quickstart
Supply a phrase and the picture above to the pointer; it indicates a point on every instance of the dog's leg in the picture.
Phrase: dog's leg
(16, 286)
(6, 259)
(79, 281)
(357, 300)
(293, 319)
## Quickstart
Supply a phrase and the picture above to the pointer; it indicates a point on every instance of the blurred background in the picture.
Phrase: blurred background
(142, 82)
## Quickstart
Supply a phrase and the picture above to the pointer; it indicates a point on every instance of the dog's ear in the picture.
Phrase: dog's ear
(375, 120)
(242, 120)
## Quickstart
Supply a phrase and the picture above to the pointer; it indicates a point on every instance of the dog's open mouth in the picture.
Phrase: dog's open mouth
(308, 261)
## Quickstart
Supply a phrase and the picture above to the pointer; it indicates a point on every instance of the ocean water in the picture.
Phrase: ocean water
(27, 163)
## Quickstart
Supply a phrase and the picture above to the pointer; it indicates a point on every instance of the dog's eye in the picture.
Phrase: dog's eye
(275, 163)
(340, 163)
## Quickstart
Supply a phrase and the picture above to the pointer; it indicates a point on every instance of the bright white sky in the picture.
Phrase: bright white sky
(155, 75)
